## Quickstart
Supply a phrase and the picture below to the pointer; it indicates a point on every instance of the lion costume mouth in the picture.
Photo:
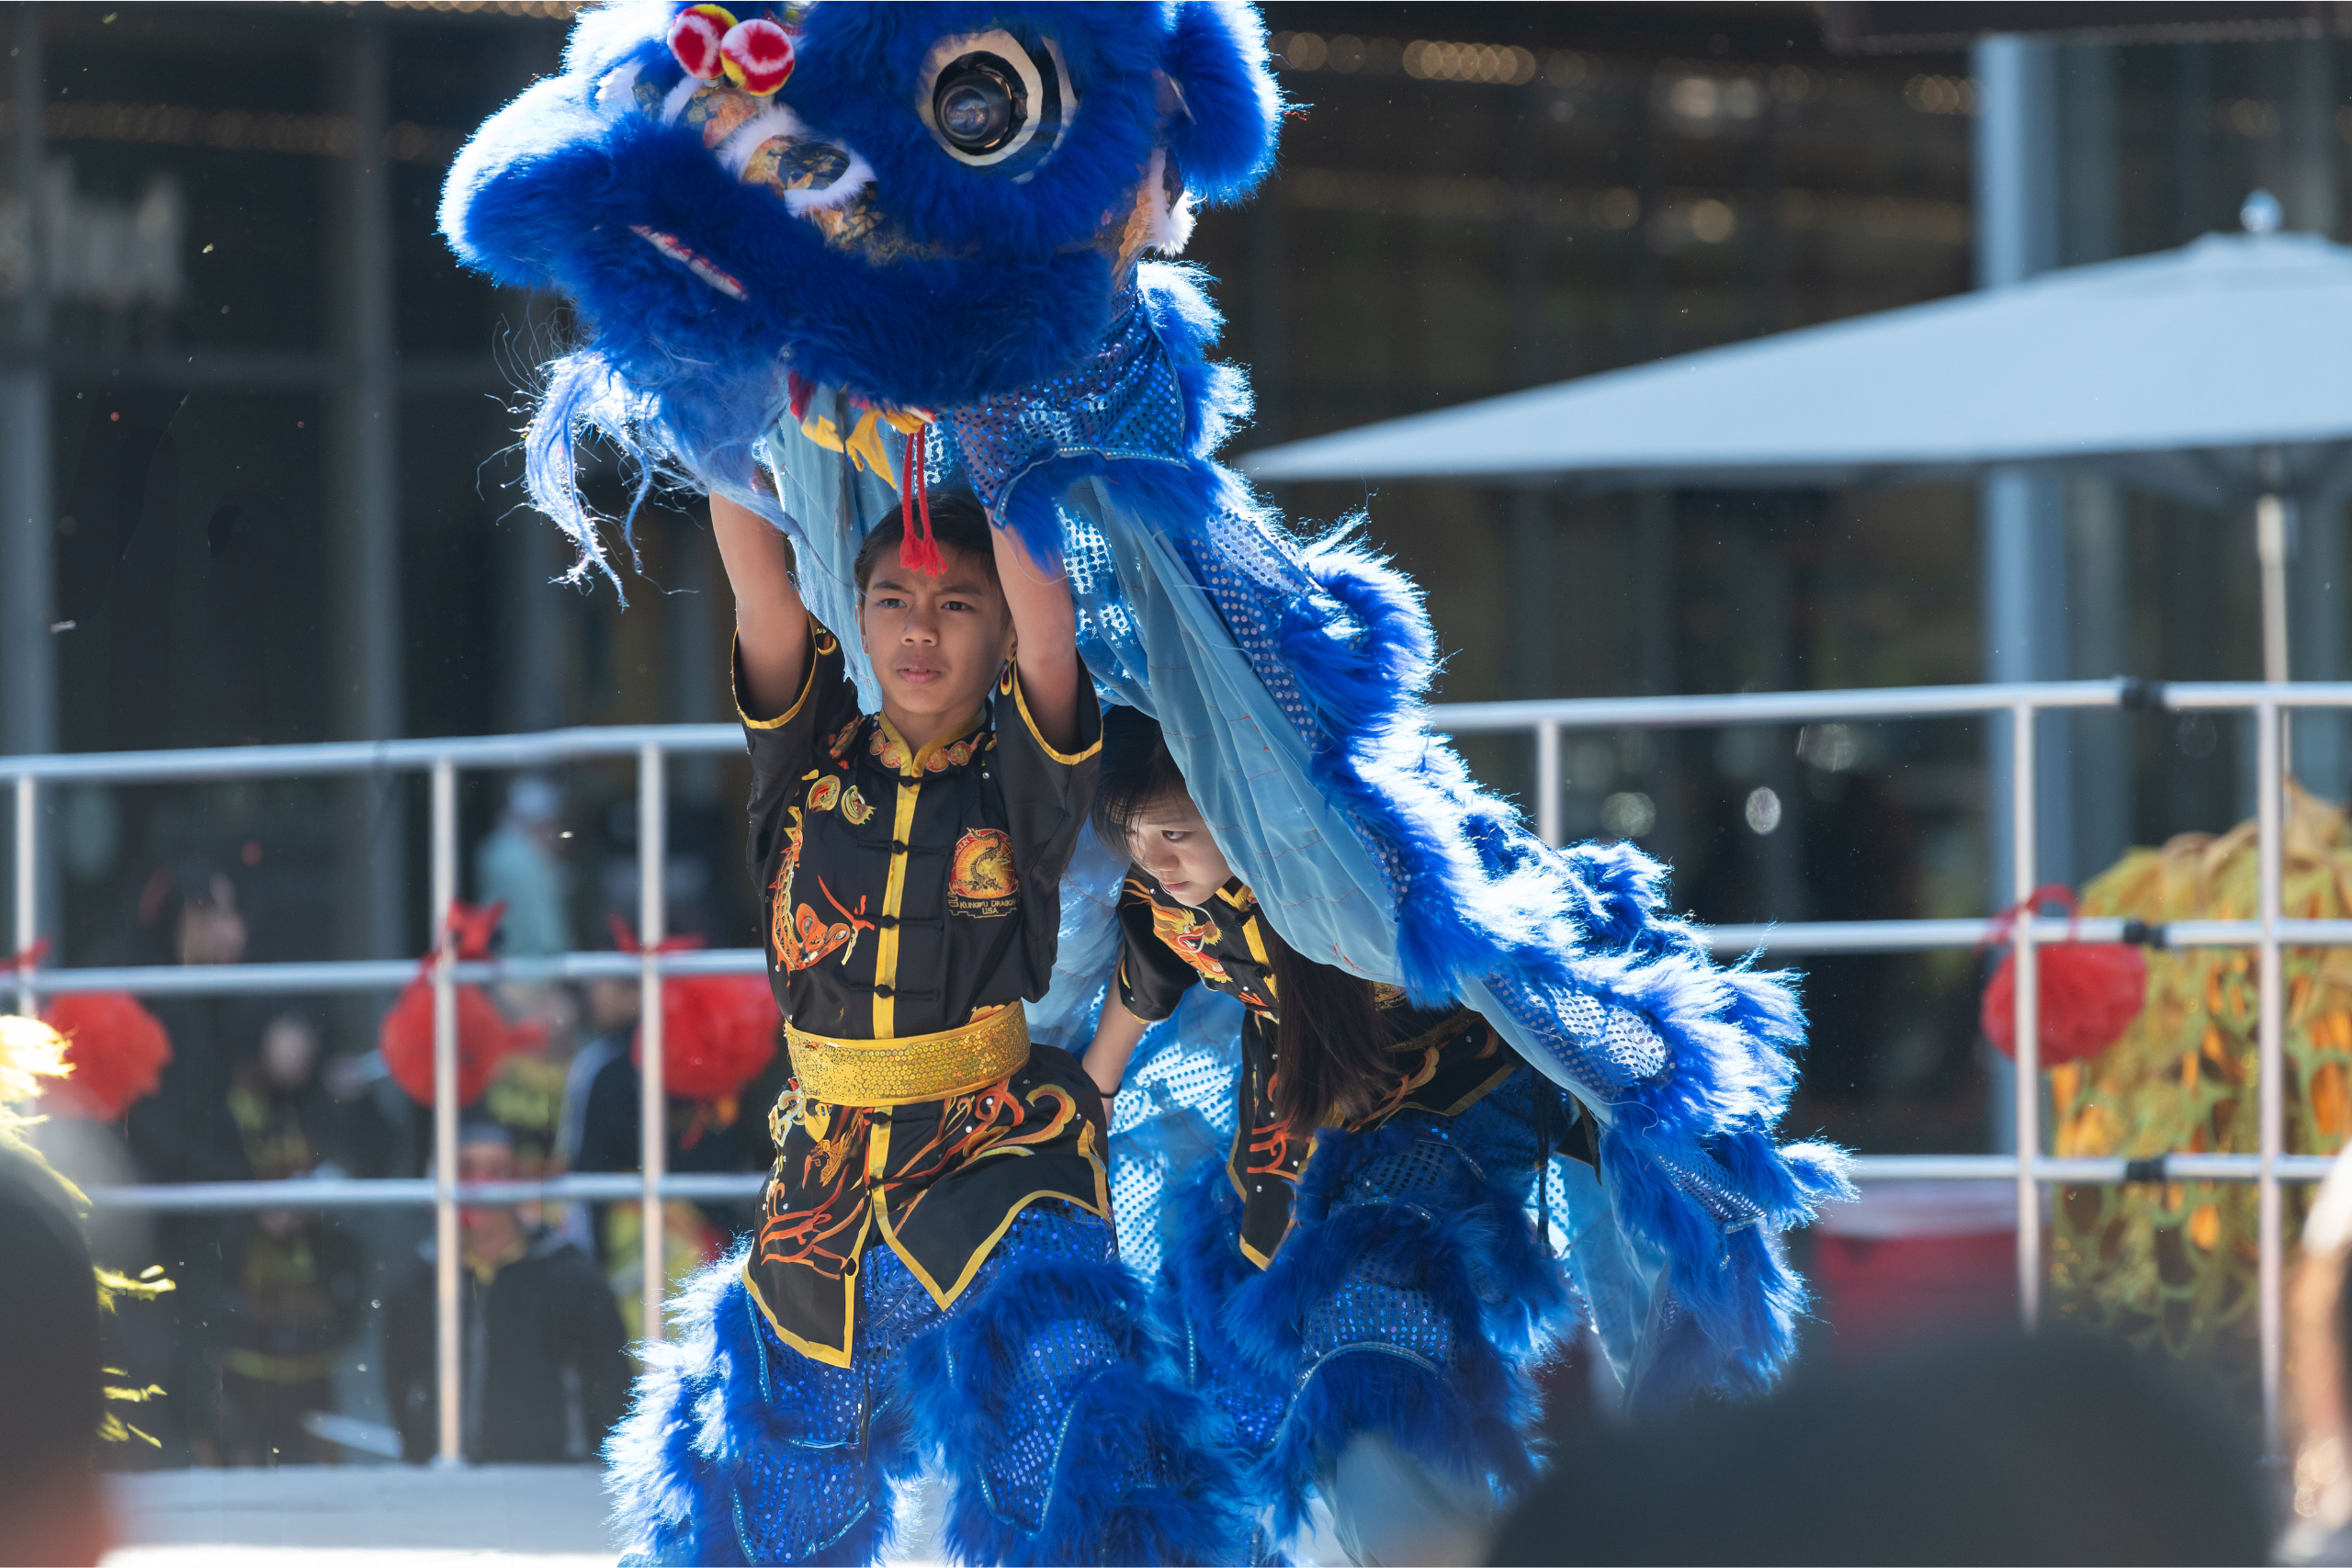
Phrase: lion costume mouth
(762, 144)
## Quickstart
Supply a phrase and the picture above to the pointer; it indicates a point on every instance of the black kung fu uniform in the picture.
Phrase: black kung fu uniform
(905, 890)
(1443, 1059)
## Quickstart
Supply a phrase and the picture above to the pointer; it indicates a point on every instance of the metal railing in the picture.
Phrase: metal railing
(2269, 933)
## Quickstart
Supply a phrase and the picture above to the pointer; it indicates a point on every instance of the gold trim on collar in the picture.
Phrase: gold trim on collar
(913, 765)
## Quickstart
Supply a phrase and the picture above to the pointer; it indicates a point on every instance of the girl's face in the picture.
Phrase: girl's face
(1169, 839)
(936, 642)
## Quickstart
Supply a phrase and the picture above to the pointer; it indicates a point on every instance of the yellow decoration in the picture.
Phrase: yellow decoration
(865, 446)
(2174, 1265)
(914, 1068)
(31, 1054)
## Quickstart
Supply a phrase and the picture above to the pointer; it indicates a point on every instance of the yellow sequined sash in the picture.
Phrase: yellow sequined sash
(912, 1067)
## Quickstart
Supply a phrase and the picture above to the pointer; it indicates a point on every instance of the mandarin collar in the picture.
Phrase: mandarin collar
(957, 748)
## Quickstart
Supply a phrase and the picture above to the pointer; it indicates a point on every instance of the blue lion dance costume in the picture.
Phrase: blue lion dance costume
(826, 253)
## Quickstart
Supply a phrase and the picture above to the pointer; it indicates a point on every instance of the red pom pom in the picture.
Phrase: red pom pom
(2089, 993)
(718, 1033)
(484, 1037)
(117, 1050)
(695, 39)
(757, 56)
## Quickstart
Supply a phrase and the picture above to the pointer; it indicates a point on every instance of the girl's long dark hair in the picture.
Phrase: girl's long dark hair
(1330, 1052)
(1329, 1046)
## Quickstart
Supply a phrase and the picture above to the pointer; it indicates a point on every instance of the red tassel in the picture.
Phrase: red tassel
(798, 389)
(2089, 992)
(917, 553)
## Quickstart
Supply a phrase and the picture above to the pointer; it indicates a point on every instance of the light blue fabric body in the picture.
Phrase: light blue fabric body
(1250, 650)
(1154, 639)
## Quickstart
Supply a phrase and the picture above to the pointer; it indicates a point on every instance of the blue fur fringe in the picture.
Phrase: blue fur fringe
(1479, 1263)
(1128, 1415)
(701, 1411)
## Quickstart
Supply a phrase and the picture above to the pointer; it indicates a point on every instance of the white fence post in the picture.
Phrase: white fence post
(28, 888)
(2270, 1057)
(653, 853)
(447, 1318)
(1547, 781)
(2023, 830)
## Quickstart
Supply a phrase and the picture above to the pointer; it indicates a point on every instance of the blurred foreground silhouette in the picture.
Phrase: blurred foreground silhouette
(1989, 1451)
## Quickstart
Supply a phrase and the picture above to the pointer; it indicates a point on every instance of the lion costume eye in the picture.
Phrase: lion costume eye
(995, 102)
(978, 106)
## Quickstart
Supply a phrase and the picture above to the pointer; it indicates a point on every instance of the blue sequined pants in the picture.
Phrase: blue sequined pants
(1041, 1392)
(1411, 1299)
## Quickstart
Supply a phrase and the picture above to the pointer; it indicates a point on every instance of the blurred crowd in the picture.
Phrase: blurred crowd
(307, 1334)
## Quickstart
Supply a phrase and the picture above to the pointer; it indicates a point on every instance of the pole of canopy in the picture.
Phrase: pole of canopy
(2273, 529)
(2270, 548)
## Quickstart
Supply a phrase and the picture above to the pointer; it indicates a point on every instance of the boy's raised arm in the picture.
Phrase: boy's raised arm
(1045, 631)
(771, 623)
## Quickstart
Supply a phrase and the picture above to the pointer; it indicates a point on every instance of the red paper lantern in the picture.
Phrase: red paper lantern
(118, 1050)
(718, 1032)
(717, 1035)
(2088, 993)
(484, 1037)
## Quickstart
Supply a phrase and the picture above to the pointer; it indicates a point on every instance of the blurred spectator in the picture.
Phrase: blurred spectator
(602, 1114)
(294, 1287)
(517, 862)
(527, 1096)
(191, 914)
(2319, 1362)
(546, 1372)
(183, 1132)
(610, 1023)
(2044, 1451)
(51, 1510)
(608, 1018)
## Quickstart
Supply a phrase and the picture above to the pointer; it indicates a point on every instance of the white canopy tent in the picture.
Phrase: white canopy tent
(2219, 373)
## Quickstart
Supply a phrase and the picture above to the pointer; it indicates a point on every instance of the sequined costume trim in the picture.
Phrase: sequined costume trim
(915, 1067)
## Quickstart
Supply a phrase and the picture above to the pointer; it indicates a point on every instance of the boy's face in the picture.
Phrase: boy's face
(1169, 839)
(936, 642)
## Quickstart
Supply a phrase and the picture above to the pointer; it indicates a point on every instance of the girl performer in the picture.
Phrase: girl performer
(1361, 1266)
(933, 1271)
